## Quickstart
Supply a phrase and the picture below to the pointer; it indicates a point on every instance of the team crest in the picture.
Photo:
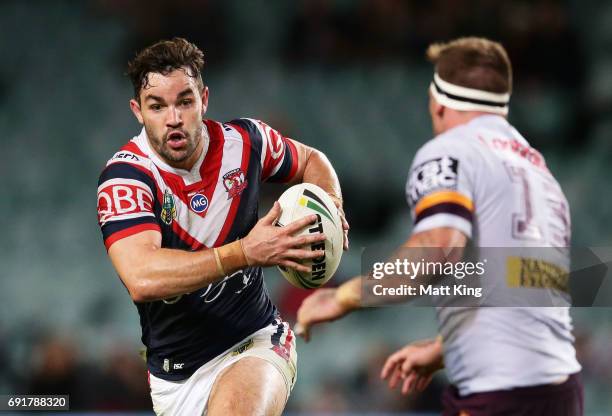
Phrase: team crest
(168, 212)
(234, 182)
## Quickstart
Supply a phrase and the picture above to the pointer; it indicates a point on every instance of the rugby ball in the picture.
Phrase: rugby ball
(307, 199)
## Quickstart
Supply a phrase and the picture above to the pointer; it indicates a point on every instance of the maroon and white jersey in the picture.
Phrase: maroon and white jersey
(212, 204)
(484, 179)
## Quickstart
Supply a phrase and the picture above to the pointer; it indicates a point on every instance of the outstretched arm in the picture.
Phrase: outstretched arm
(326, 305)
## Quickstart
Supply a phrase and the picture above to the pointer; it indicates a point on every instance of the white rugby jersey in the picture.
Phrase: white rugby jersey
(484, 179)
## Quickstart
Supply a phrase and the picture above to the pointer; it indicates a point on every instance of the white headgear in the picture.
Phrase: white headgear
(468, 99)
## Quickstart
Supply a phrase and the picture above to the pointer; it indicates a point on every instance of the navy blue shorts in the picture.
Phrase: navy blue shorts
(565, 399)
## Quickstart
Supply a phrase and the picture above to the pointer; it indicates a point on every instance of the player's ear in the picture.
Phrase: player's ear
(204, 100)
(135, 107)
(440, 109)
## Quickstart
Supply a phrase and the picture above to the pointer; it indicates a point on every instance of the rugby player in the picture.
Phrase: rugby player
(479, 181)
(177, 206)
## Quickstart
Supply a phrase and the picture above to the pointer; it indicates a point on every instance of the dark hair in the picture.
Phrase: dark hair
(164, 57)
(474, 63)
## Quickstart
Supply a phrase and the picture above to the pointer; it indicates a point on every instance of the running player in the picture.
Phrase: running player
(177, 206)
(480, 181)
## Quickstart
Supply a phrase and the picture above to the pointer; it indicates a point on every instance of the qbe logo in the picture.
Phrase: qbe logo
(198, 203)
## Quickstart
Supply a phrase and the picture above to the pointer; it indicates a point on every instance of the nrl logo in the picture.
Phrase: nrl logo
(234, 182)
(168, 212)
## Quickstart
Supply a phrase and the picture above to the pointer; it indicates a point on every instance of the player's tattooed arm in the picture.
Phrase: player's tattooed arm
(314, 167)
(151, 272)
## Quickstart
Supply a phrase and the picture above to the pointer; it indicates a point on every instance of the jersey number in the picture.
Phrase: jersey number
(523, 225)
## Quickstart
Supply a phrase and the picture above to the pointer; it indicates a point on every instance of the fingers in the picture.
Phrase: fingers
(407, 366)
(302, 254)
(345, 243)
(345, 227)
(395, 377)
(345, 224)
(302, 240)
(423, 382)
(297, 225)
(305, 314)
(303, 331)
(295, 265)
(273, 214)
(409, 383)
(393, 360)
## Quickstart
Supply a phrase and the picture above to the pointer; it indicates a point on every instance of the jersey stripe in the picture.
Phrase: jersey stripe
(204, 230)
(244, 165)
(131, 216)
(444, 208)
(443, 197)
(126, 232)
(211, 167)
(444, 220)
(284, 171)
(131, 146)
(127, 170)
(124, 181)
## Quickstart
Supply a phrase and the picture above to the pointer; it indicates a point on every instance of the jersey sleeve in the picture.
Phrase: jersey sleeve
(126, 198)
(279, 157)
(439, 188)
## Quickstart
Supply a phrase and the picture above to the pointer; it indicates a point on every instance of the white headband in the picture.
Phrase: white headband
(468, 99)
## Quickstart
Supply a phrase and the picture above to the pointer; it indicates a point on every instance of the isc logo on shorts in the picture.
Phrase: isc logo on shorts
(176, 366)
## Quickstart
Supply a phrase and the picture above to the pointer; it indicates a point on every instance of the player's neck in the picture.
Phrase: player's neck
(454, 118)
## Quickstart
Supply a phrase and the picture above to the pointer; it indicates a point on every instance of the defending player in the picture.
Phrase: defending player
(480, 180)
(177, 206)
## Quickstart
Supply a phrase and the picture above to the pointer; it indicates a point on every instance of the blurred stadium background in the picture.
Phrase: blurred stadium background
(348, 77)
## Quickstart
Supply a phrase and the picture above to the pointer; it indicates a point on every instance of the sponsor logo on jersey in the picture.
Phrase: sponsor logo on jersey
(432, 175)
(125, 155)
(198, 203)
(166, 366)
(536, 273)
(168, 212)
(234, 182)
(120, 198)
(243, 347)
(178, 366)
